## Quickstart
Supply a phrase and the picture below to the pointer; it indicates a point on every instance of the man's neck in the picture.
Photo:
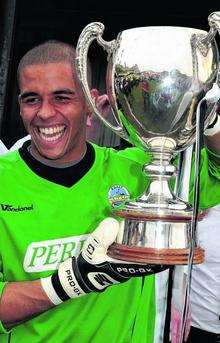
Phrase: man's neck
(58, 163)
(65, 176)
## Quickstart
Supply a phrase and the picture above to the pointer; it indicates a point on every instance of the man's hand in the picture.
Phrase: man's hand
(102, 103)
(93, 270)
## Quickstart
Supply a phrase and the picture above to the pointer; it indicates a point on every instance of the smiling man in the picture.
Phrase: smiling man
(56, 192)
(57, 283)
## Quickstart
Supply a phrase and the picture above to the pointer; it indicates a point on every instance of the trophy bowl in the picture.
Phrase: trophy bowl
(156, 77)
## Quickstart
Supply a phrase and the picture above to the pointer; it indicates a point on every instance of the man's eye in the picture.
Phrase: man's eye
(61, 98)
(31, 101)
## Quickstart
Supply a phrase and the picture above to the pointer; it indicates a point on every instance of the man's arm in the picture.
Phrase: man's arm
(91, 271)
(22, 301)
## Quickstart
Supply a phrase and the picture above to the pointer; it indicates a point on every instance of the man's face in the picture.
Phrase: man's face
(53, 111)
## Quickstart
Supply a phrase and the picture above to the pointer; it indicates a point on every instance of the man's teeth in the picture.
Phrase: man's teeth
(51, 130)
(51, 133)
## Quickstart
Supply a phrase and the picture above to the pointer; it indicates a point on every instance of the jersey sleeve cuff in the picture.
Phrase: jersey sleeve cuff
(3, 330)
(213, 156)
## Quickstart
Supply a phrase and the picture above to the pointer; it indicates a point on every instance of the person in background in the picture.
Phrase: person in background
(205, 286)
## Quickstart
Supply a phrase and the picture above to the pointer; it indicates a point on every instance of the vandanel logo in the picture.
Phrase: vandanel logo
(11, 208)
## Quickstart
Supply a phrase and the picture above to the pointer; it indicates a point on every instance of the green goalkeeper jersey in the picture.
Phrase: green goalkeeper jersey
(43, 222)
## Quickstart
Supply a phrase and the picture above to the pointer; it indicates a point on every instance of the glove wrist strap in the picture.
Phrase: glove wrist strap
(62, 285)
(47, 286)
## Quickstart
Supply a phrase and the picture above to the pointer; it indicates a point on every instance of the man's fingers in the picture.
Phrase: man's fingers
(95, 248)
(103, 105)
(106, 232)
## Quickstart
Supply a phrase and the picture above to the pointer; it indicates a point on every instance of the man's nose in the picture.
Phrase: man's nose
(46, 110)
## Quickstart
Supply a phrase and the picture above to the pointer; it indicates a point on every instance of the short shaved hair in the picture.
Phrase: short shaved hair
(51, 51)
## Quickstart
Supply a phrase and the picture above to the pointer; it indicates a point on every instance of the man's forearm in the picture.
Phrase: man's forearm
(22, 301)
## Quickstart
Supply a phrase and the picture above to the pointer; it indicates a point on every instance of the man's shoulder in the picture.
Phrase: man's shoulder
(9, 161)
(18, 144)
(128, 155)
(135, 155)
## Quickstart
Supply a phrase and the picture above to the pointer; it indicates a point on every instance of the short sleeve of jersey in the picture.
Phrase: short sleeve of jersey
(3, 150)
(136, 155)
(2, 286)
(214, 163)
(209, 179)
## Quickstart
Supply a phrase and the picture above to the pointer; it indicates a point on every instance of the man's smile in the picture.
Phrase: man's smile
(51, 133)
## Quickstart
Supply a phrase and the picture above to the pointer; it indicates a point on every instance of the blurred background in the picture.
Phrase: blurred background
(26, 23)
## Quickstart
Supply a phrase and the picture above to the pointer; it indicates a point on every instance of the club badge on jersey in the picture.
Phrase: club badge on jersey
(117, 195)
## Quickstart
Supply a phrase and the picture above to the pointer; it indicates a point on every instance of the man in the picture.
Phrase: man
(55, 193)
(58, 194)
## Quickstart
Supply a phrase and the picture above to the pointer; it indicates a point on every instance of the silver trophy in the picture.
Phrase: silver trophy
(156, 78)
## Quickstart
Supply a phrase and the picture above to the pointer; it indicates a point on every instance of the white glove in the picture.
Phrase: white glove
(93, 270)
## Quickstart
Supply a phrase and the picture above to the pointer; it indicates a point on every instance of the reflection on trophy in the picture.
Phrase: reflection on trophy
(156, 78)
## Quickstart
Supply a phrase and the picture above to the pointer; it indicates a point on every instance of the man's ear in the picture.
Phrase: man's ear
(19, 99)
(19, 103)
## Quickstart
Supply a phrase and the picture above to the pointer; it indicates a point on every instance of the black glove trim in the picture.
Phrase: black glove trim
(58, 287)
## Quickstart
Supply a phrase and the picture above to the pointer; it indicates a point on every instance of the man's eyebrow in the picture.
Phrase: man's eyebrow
(57, 92)
(64, 91)
(26, 94)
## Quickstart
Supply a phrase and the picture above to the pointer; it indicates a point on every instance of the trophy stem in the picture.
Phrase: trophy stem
(159, 202)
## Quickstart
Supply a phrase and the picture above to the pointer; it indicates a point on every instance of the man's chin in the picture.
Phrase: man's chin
(46, 155)
(49, 150)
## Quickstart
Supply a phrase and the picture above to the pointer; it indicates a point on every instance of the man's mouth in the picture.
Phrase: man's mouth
(51, 133)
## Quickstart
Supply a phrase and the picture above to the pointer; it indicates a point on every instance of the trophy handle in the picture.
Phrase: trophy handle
(91, 32)
(214, 23)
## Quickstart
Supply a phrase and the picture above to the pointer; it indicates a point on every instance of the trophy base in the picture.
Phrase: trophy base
(154, 256)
